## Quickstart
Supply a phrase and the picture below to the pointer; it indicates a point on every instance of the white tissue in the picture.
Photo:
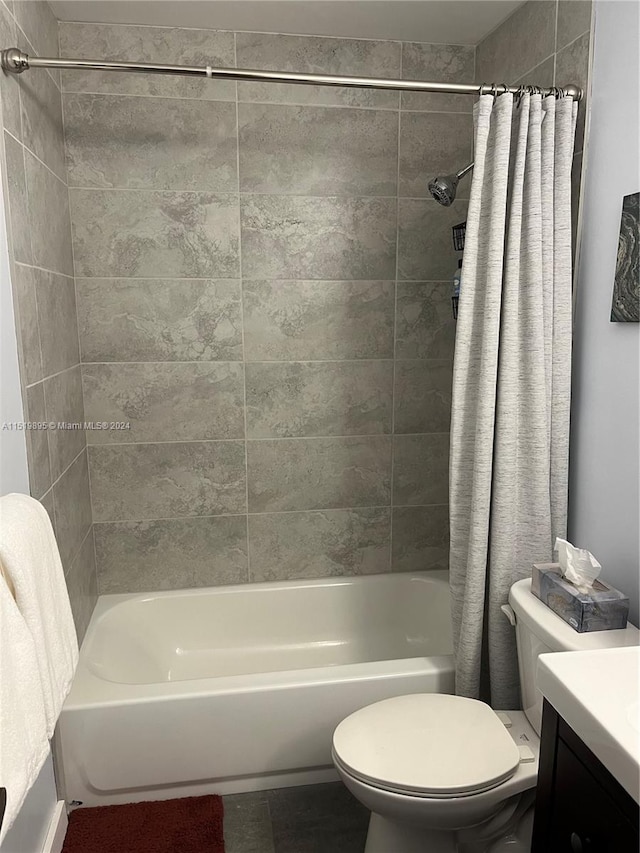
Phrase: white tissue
(578, 565)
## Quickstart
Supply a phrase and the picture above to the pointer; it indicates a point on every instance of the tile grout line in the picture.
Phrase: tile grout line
(237, 440)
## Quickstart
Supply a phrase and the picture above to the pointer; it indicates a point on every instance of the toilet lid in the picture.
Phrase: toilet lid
(430, 744)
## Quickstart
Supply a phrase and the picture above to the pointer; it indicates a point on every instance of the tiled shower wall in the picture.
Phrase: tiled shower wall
(39, 237)
(264, 297)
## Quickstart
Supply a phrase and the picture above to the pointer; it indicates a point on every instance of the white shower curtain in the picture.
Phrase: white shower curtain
(511, 382)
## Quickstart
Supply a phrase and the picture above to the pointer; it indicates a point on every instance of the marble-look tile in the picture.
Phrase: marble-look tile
(318, 473)
(41, 106)
(142, 556)
(18, 204)
(148, 44)
(73, 509)
(319, 398)
(432, 144)
(438, 63)
(574, 19)
(82, 586)
(425, 327)
(572, 66)
(50, 234)
(37, 442)
(164, 402)
(247, 823)
(318, 819)
(150, 143)
(57, 320)
(9, 85)
(151, 481)
(63, 396)
(420, 469)
(425, 244)
(319, 544)
(322, 238)
(38, 23)
(517, 45)
(317, 150)
(297, 320)
(155, 234)
(420, 538)
(317, 55)
(159, 320)
(541, 75)
(422, 396)
(26, 308)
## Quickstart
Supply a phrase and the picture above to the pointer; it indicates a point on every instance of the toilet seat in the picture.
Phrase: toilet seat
(430, 745)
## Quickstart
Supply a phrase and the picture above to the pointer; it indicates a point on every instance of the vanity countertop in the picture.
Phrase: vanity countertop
(598, 694)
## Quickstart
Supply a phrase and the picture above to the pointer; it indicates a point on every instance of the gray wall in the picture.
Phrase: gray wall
(41, 261)
(263, 294)
(605, 469)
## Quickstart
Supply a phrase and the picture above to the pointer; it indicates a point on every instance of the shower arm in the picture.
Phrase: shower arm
(15, 61)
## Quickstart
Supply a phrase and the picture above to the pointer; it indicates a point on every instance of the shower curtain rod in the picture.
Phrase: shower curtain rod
(16, 61)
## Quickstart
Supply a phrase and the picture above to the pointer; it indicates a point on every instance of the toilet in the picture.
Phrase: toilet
(446, 774)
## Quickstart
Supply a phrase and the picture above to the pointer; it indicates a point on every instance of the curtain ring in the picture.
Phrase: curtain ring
(505, 87)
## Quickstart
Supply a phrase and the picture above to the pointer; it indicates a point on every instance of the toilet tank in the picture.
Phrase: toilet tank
(539, 630)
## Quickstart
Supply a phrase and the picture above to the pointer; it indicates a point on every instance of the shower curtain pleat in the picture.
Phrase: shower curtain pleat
(510, 416)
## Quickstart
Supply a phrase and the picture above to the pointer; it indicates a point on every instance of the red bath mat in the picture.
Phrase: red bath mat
(189, 825)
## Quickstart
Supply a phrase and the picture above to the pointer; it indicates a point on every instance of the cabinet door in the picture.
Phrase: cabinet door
(585, 819)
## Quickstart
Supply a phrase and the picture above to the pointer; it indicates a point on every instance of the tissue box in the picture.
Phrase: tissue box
(602, 608)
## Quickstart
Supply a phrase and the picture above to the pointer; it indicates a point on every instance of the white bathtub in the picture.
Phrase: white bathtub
(239, 688)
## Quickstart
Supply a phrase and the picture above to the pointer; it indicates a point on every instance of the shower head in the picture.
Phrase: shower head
(443, 189)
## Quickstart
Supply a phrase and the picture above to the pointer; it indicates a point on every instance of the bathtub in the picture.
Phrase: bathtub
(239, 688)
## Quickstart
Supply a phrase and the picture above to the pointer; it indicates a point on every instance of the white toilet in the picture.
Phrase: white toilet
(445, 774)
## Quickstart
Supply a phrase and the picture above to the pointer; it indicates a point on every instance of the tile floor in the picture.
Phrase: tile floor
(310, 819)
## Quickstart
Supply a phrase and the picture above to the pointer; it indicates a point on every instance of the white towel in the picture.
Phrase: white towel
(30, 556)
(23, 724)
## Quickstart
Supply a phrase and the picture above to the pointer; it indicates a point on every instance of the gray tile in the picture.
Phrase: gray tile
(155, 234)
(9, 84)
(178, 554)
(295, 320)
(574, 19)
(572, 66)
(318, 819)
(50, 234)
(164, 402)
(420, 538)
(322, 238)
(41, 106)
(150, 143)
(63, 396)
(318, 473)
(148, 44)
(37, 442)
(24, 287)
(317, 55)
(319, 544)
(48, 503)
(438, 63)
(422, 396)
(425, 246)
(151, 481)
(18, 204)
(520, 43)
(57, 320)
(39, 25)
(82, 586)
(247, 824)
(432, 144)
(159, 320)
(317, 150)
(425, 327)
(73, 509)
(541, 75)
(420, 469)
(319, 398)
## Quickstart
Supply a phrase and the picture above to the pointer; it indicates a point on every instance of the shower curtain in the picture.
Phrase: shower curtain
(511, 382)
